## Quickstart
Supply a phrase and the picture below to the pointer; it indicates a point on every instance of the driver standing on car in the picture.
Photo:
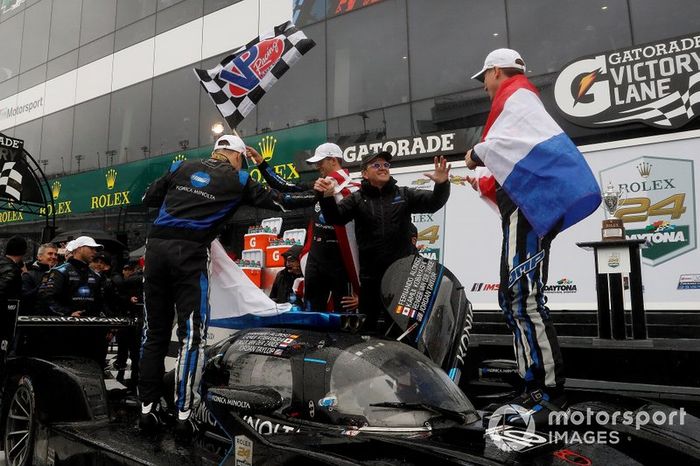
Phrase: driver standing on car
(195, 198)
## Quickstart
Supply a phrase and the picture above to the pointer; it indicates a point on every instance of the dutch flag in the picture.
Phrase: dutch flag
(534, 161)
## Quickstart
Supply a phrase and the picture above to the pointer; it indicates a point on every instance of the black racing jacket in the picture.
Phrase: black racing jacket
(10, 279)
(324, 242)
(197, 197)
(31, 281)
(382, 220)
(69, 287)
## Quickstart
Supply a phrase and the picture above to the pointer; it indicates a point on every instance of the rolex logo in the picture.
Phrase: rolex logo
(56, 189)
(111, 177)
(644, 169)
(267, 147)
(180, 158)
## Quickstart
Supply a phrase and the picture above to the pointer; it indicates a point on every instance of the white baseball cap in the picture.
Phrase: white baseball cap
(231, 142)
(502, 58)
(327, 149)
(81, 241)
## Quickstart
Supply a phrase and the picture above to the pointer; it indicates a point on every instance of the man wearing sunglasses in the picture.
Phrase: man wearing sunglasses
(382, 213)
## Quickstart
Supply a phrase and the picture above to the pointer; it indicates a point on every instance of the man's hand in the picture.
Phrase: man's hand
(474, 181)
(325, 186)
(253, 155)
(442, 171)
(471, 164)
(77, 313)
(350, 303)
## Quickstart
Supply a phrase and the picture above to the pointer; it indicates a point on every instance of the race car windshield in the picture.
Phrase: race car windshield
(372, 379)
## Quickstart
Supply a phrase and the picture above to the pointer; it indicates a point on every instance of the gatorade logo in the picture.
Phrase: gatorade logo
(253, 241)
(275, 255)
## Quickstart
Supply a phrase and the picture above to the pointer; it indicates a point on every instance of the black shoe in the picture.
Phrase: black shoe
(151, 419)
(185, 430)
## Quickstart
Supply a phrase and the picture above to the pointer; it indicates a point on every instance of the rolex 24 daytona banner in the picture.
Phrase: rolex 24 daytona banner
(238, 83)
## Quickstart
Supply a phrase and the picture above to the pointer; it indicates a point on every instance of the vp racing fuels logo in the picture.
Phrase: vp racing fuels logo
(246, 70)
(657, 84)
(659, 207)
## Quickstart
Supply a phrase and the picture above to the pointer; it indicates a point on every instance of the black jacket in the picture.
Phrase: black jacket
(10, 279)
(382, 220)
(31, 281)
(196, 197)
(69, 287)
(283, 287)
(324, 242)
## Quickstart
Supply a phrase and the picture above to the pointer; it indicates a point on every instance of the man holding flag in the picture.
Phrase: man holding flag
(542, 185)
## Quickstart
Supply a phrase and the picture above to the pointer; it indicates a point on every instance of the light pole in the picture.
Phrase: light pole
(78, 158)
(146, 151)
(44, 163)
(98, 159)
(63, 167)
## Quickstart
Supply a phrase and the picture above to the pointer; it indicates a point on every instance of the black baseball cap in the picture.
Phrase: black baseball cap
(386, 155)
(293, 252)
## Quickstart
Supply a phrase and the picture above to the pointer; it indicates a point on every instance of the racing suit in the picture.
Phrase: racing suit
(324, 273)
(10, 288)
(524, 268)
(195, 198)
(383, 230)
(31, 281)
(70, 287)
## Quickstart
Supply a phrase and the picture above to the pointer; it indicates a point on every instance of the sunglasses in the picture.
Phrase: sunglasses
(377, 165)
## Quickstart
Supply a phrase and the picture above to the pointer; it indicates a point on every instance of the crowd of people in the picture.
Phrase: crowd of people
(358, 230)
(78, 282)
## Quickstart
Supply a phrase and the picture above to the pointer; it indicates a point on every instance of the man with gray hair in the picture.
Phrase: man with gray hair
(46, 259)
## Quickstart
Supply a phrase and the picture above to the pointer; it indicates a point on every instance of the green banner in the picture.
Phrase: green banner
(123, 185)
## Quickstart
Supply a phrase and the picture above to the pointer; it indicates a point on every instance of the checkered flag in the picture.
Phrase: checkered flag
(238, 83)
(10, 182)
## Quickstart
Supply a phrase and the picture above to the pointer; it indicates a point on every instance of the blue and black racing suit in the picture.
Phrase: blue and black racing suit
(195, 198)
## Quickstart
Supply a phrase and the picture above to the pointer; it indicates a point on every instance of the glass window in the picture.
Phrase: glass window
(308, 11)
(35, 40)
(8, 87)
(89, 133)
(32, 77)
(98, 19)
(211, 6)
(339, 7)
(464, 110)
(129, 11)
(438, 32)
(57, 141)
(550, 34)
(367, 59)
(62, 64)
(653, 20)
(10, 34)
(299, 96)
(175, 112)
(31, 134)
(385, 123)
(65, 30)
(135, 33)
(163, 4)
(10, 8)
(179, 14)
(95, 50)
(129, 122)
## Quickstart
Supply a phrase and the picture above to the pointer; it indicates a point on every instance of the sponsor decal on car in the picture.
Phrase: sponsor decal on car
(243, 451)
